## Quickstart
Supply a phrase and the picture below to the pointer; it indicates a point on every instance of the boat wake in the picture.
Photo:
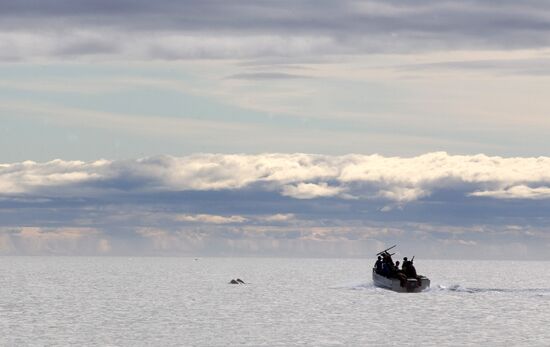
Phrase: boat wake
(461, 289)
(355, 286)
(452, 288)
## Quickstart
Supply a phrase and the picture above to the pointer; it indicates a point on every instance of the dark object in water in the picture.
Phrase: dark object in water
(236, 281)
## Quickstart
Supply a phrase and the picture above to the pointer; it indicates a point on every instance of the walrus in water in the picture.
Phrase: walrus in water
(237, 281)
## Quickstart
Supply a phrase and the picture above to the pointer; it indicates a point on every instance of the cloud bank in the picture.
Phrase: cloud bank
(243, 29)
(299, 176)
(277, 204)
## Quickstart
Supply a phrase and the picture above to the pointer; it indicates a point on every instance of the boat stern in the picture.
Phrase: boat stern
(411, 285)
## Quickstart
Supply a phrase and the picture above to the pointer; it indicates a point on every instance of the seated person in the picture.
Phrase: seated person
(400, 274)
(411, 271)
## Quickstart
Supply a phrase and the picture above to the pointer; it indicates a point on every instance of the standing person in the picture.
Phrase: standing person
(387, 258)
(411, 271)
(378, 265)
(387, 264)
(405, 266)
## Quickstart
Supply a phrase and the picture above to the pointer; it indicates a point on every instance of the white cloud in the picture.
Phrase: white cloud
(300, 176)
(210, 219)
(311, 190)
(516, 192)
(402, 194)
(279, 217)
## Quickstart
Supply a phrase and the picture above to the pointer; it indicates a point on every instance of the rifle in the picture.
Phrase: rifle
(412, 259)
(387, 249)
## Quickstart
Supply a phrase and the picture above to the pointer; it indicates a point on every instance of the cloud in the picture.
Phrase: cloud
(516, 192)
(310, 190)
(274, 204)
(180, 30)
(279, 217)
(299, 176)
(522, 66)
(213, 219)
(402, 194)
(265, 76)
(350, 240)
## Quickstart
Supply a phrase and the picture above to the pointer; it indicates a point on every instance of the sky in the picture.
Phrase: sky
(275, 128)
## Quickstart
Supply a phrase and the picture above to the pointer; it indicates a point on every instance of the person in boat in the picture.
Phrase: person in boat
(385, 269)
(408, 268)
(387, 265)
(405, 266)
(400, 275)
(395, 272)
(389, 260)
(410, 271)
(390, 270)
(378, 265)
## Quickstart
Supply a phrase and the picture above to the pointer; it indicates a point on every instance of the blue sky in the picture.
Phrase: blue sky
(106, 105)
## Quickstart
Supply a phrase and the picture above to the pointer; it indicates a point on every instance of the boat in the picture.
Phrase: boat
(411, 286)
(403, 285)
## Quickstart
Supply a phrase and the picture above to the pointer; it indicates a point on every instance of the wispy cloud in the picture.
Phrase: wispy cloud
(131, 123)
(517, 192)
(279, 217)
(533, 66)
(211, 219)
(351, 239)
(265, 76)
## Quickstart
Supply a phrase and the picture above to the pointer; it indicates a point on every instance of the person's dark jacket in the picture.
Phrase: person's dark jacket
(378, 266)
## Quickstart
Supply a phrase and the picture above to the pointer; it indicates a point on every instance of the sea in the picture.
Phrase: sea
(178, 301)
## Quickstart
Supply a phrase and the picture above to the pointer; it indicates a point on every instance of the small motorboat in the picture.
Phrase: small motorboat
(412, 285)
(399, 282)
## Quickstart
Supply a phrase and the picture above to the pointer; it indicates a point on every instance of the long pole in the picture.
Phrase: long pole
(387, 249)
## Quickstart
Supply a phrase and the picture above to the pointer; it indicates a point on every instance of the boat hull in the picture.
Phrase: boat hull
(412, 285)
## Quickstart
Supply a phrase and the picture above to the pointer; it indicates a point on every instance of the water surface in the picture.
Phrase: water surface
(119, 301)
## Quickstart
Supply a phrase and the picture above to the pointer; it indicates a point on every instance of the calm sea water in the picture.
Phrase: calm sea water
(288, 302)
